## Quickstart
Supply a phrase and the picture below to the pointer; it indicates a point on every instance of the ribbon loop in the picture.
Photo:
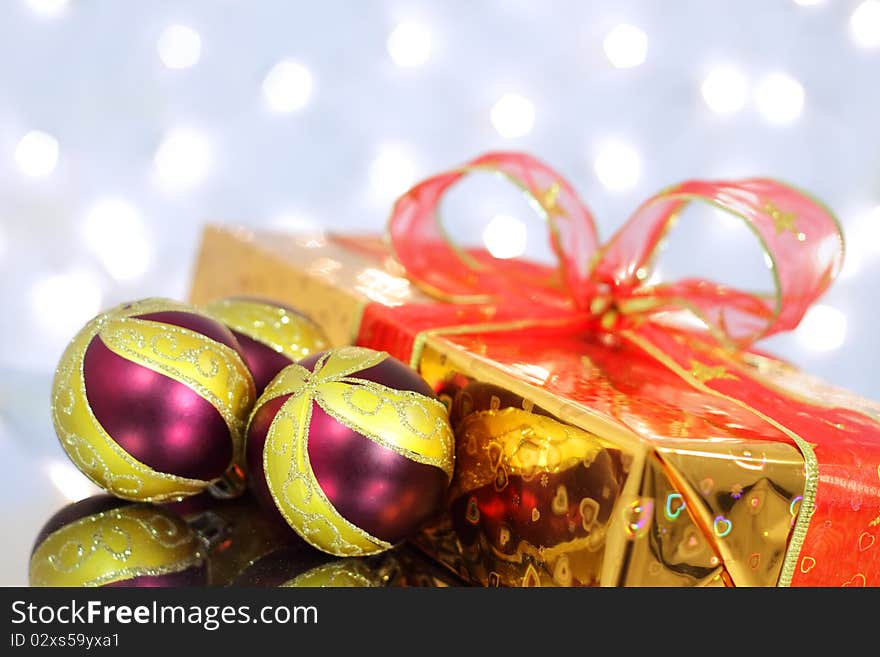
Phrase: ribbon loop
(445, 270)
(801, 239)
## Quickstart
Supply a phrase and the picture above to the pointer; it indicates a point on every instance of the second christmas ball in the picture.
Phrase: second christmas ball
(271, 335)
(352, 448)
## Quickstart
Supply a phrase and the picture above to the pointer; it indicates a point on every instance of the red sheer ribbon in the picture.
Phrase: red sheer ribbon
(800, 237)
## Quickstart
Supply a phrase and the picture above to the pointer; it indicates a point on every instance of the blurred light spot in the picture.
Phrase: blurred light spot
(780, 98)
(866, 231)
(862, 243)
(184, 158)
(532, 372)
(114, 232)
(618, 166)
(48, 7)
(70, 482)
(37, 154)
(626, 46)
(381, 286)
(505, 237)
(513, 115)
(324, 267)
(287, 87)
(864, 23)
(392, 172)
(307, 233)
(852, 261)
(409, 45)
(808, 3)
(293, 222)
(823, 328)
(724, 90)
(63, 303)
(179, 46)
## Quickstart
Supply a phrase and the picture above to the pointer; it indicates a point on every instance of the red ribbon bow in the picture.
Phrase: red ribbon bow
(799, 235)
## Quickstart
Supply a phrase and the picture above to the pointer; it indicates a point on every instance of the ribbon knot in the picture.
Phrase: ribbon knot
(801, 239)
(615, 313)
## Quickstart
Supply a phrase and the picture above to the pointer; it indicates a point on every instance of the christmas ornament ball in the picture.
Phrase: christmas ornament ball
(298, 565)
(271, 335)
(150, 400)
(352, 448)
(106, 541)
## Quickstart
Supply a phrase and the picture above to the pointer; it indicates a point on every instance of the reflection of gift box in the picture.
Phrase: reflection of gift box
(601, 440)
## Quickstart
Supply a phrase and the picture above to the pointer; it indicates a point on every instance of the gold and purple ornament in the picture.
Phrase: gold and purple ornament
(150, 401)
(352, 448)
(298, 565)
(106, 541)
(271, 335)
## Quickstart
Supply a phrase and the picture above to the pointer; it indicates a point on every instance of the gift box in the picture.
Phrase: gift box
(609, 430)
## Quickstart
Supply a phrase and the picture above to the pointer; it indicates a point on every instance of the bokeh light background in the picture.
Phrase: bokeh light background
(125, 126)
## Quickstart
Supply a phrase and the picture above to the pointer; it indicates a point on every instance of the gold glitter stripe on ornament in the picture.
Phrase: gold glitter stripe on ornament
(291, 379)
(295, 488)
(811, 468)
(115, 545)
(345, 361)
(212, 369)
(91, 448)
(406, 422)
(288, 333)
(342, 573)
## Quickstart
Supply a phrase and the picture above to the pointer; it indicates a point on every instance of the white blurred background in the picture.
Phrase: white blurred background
(125, 126)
